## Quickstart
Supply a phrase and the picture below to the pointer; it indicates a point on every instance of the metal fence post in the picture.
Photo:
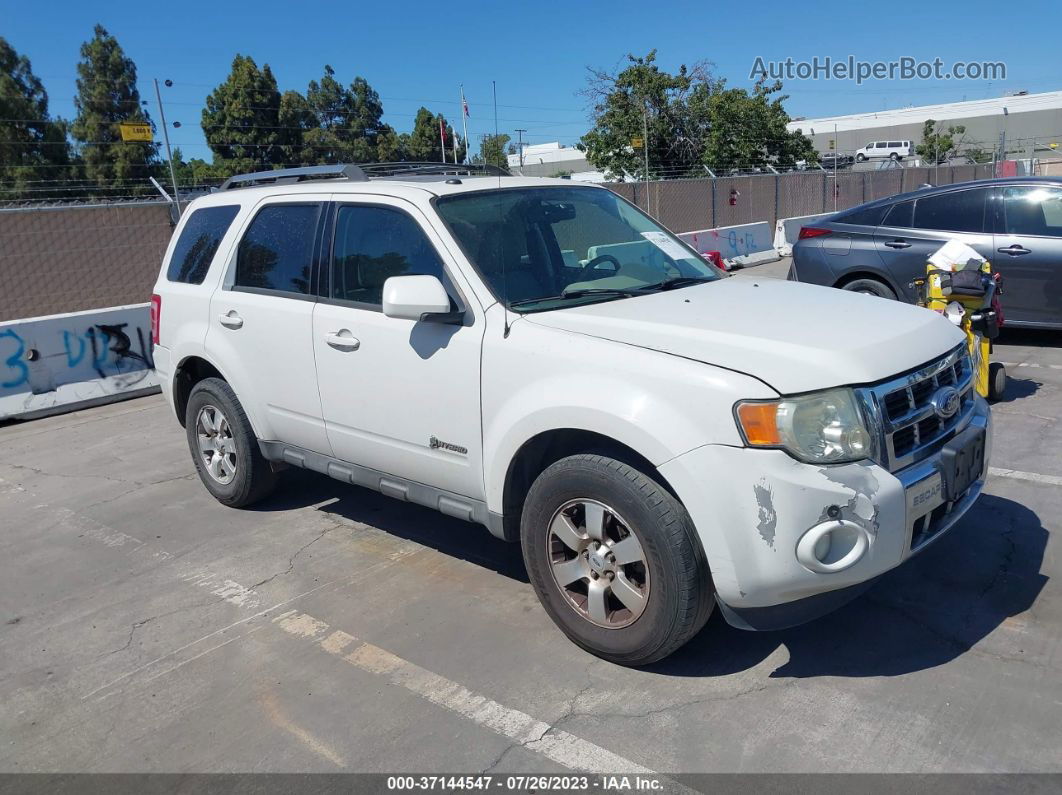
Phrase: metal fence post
(777, 189)
(713, 224)
(824, 177)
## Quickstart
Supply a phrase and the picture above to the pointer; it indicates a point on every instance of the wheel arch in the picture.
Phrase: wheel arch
(186, 375)
(873, 275)
(549, 446)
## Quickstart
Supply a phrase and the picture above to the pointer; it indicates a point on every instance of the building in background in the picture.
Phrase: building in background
(1030, 123)
(554, 160)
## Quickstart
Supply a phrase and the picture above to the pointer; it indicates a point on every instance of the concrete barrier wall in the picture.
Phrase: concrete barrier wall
(739, 246)
(64, 362)
(787, 230)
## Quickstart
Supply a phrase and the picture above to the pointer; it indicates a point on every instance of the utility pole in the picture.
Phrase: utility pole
(166, 136)
(645, 149)
(520, 145)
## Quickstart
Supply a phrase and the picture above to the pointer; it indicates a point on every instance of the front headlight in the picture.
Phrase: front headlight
(821, 428)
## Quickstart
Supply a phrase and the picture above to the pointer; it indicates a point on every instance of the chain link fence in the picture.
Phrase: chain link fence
(685, 205)
(68, 259)
(56, 259)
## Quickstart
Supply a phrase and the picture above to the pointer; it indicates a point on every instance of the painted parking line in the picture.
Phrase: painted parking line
(528, 732)
(1032, 364)
(1033, 477)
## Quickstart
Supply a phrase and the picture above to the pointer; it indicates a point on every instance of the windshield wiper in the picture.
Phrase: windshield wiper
(616, 292)
(677, 281)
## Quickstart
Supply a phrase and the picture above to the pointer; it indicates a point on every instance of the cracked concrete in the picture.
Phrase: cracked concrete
(118, 655)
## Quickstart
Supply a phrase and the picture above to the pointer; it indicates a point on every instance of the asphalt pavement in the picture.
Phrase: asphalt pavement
(145, 627)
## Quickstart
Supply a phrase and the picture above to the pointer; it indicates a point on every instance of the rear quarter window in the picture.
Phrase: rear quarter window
(199, 241)
(863, 216)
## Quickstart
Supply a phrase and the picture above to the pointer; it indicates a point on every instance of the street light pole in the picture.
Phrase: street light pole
(169, 154)
(520, 145)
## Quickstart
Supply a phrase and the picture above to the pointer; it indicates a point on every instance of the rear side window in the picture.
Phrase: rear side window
(864, 216)
(958, 211)
(900, 214)
(199, 242)
(276, 252)
(373, 244)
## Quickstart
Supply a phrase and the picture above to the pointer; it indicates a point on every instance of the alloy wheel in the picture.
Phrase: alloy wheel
(217, 448)
(598, 563)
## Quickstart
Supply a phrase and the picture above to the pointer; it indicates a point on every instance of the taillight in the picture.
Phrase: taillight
(156, 318)
(812, 231)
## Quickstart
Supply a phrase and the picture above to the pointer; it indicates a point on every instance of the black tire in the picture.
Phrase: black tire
(253, 478)
(680, 596)
(997, 380)
(870, 287)
(894, 156)
(860, 157)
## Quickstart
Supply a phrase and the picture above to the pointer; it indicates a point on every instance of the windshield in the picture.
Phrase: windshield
(545, 248)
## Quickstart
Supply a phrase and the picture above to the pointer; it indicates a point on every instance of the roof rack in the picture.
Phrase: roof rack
(432, 169)
(283, 175)
(360, 173)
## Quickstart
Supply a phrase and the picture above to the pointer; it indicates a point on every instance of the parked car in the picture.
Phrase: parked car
(881, 247)
(895, 150)
(544, 359)
(830, 160)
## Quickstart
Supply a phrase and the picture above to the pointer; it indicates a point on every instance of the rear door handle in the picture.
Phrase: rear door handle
(231, 319)
(898, 243)
(1014, 251)
(343, 340)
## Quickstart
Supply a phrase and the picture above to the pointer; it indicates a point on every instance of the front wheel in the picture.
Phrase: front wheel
(614, 559)
(860, 157)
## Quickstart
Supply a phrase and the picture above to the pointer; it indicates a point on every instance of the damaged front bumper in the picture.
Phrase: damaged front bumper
(788, 542)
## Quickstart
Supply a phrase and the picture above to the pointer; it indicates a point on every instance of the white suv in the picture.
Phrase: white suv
(547, 360)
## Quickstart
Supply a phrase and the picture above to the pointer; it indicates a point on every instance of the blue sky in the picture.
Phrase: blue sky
(416, 53)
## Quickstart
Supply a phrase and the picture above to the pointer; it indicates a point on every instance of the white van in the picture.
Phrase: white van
(896, 150)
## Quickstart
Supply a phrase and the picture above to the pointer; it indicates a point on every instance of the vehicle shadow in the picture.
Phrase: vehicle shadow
(1018, 388)
(924, 614)
(463, 540)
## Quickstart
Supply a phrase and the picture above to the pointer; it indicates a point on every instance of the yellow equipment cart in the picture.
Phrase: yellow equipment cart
(969, 296)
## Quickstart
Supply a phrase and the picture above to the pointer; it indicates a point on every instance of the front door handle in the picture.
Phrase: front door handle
(898, 243)
(343, 340)
(231, 319)
(1014, 251)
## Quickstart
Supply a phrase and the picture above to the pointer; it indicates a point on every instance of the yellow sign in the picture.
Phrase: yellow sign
(636, 143)
(136, 131)
(832, 143)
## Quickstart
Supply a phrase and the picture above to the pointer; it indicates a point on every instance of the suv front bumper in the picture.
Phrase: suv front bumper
(761, 517)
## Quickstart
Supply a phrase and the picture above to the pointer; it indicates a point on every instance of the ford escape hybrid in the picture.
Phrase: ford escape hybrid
(546, 360)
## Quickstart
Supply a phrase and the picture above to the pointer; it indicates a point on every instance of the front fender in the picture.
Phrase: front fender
(542, 379)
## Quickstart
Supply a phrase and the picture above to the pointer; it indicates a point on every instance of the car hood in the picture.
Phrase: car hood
(794, 337)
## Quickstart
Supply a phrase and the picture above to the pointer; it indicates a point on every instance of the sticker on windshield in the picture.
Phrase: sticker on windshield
(667, 245)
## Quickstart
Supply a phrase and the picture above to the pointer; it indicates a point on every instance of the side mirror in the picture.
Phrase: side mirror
(416, 298)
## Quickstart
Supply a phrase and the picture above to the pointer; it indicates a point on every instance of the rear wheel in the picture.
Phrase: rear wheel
(870, 287)
(224, 447)
(614, 559)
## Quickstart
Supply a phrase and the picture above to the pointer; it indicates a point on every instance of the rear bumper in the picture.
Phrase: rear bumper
(759, 513)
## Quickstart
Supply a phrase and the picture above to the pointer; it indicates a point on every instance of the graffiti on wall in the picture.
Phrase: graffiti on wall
(63, 358)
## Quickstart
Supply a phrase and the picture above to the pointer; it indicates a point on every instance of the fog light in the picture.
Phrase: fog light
(832, 546)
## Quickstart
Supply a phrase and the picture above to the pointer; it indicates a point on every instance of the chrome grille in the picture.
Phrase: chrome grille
(910, 427)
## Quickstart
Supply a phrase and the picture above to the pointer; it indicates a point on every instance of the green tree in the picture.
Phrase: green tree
(686, 120)
(424, 144)
(242, 117)
(937, 144)
(34, 153)
(106, 96)
(332, 105)
(296, 120)
(492, 150)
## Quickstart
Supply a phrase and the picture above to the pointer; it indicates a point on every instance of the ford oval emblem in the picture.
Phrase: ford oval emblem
(945, 402)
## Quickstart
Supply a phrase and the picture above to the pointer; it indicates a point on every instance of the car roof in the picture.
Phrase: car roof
(408, 187)
(974, 183)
